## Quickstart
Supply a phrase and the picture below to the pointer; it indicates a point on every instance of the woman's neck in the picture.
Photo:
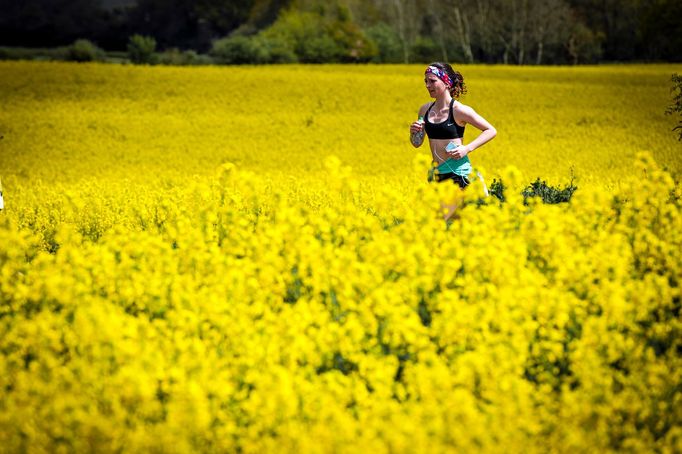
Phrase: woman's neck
(443, 101)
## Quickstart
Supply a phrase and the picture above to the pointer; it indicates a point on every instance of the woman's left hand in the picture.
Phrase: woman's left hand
(459, 152)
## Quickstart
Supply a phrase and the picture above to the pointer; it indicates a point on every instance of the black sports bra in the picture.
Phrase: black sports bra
(448, 129)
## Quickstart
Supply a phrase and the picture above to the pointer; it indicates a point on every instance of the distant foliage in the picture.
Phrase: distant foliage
(354, 43)
(239, 50)
(387, 41)
(313, 38)
(278, 52)
(584, 45)
(424, 50)
(141, 49)
(305, 35)
(178, 57)
(83, 50)
(482, 31)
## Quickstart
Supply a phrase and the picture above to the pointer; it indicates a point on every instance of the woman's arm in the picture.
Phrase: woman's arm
(418, 126)
(488, 131)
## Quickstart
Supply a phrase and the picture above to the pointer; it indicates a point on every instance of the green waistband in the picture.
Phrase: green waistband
(461, 167)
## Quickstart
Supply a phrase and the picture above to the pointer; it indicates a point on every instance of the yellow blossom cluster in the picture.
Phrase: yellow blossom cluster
(250, 260)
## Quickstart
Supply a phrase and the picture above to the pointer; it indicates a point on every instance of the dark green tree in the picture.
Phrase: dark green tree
(329, 35)
(387, 41)
(618, 24)
(141, 49)
(223, 16)
(188, 23)
(660, 30)
(170, 22)
(45, 23)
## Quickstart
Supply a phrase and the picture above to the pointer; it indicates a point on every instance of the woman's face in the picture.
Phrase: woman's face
(434, 85)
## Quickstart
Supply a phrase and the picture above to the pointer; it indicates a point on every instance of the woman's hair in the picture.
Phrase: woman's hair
(458, 88)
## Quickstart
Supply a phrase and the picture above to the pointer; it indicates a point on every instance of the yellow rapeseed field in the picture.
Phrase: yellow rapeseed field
(250, 259)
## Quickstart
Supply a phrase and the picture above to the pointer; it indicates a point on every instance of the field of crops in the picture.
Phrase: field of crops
(250, 259)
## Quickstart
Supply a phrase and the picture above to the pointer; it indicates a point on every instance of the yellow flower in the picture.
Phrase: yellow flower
(176, 276)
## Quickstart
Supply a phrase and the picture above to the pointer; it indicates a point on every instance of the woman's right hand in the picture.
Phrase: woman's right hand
(416, 133)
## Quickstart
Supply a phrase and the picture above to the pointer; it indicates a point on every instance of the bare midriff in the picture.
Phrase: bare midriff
(438, 148)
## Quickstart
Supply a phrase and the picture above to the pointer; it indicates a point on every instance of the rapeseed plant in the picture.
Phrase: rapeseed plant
(173, 279)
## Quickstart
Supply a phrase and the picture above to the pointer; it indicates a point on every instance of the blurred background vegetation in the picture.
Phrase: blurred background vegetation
(187, 32)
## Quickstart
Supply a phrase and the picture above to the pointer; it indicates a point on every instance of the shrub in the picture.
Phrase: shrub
(319, 49)
(83, 50)
(354, 44)
(313, 38)
(538, 188)
(34, 53)
(279, 52)
(497, 189)
(305, 34)
(177, 57)
(389, 49)
(141, 49)
(677, 101)
(548, 194)
(20, 53)
(424, 50)
(239, 50)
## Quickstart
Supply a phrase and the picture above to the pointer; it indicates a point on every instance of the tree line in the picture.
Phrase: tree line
(385, 31)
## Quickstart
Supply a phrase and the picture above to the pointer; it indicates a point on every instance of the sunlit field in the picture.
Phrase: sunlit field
(250, 259)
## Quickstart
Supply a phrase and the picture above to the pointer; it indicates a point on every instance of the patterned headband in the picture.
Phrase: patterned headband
(439, 73)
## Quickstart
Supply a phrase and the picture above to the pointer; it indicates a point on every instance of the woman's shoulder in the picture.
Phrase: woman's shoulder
(462, 108)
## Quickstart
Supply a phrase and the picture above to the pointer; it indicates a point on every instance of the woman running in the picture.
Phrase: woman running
(444, 121)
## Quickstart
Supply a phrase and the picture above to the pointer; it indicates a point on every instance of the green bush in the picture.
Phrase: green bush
(83, 50)
(279, 52)
(319, 49)
(547, 193)
(496, 189)
(424, 50)
(176, 57)
(676, 106)
(387, 41)
(239, 50)
(354, 44)
(313, 38)
(305, 35)
(117, 56)
(24, 53)
(33, 53)
(141, 49)
(539, 188)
